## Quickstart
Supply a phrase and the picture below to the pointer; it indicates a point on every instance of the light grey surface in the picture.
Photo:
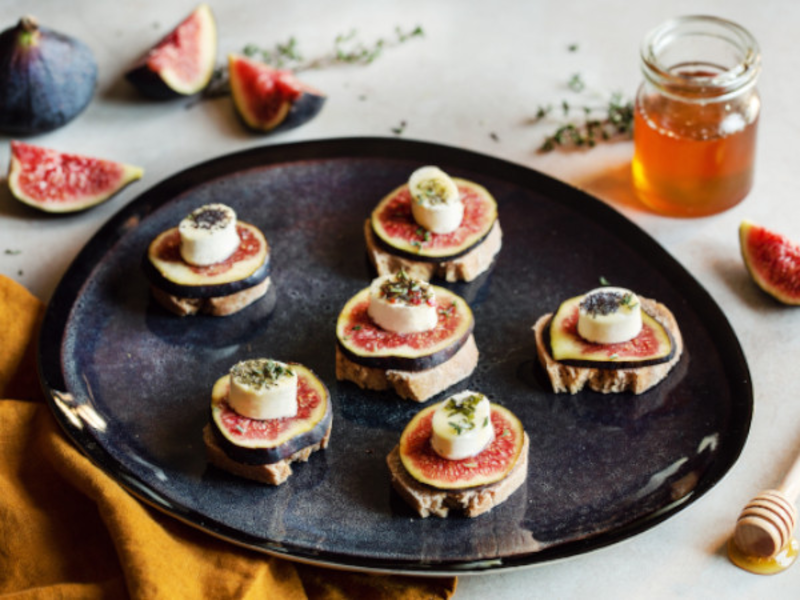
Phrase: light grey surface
(481, 68)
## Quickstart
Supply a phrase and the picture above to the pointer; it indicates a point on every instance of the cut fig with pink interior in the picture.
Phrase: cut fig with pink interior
(269, 99)
(182, 63)
(364, 342)
(267, 441)
(489, 466)
(59, 182)
(773, 261)
(166, 269)
(397, 232)
(653, 346)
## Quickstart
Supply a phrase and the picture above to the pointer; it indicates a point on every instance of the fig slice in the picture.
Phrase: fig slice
(58, 182)
(654, 344)
(367, 344)
(247, 266)
(397, 232)
(773, 261)
(261, 442)
(183, 62)
(491, 465)
(269, 99)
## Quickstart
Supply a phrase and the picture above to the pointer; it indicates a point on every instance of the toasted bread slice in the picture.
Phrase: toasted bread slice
(218, 306)
(428, 500)
(411, 385)
(273, 473)
(571, 379)
(464, 268)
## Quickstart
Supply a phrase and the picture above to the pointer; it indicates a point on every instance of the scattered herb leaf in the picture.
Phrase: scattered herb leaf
(347, 49)
(12, 252)
(604, 281)
(576, 83)
(614, 120)
(400, 128)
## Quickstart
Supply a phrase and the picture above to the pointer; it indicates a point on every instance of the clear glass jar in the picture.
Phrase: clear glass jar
(696, 116)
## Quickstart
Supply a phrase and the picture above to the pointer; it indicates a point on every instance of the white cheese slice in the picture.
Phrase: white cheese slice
(263, 389)
(435, 201)
(609, 315)
(402, 304)
(462, 426)
(208, 235)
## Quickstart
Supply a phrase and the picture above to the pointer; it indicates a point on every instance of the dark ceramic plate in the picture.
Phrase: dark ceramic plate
(131, 384)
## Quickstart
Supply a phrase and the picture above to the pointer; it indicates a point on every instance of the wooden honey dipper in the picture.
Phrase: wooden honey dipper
(767, 523)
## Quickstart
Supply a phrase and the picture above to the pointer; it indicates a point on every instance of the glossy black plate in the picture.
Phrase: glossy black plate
(131, 383)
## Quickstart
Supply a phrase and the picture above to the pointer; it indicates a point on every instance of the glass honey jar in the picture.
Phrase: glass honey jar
(696, 116)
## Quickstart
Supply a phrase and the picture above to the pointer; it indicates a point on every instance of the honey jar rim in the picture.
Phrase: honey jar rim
(707, 79)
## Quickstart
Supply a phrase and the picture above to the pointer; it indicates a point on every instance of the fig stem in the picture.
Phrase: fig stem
(29, 31)
(28, 24)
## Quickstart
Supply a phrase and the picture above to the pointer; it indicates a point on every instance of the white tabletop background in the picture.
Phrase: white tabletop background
(482, 68)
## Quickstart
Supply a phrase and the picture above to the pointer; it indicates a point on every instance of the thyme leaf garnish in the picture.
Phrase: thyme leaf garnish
(348, 49)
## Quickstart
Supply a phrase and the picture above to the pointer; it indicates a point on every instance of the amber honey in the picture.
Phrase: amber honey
(696, 117)
(765, 566)
(683, 165)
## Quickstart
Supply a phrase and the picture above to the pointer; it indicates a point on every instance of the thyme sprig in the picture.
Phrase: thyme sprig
(348, 49)
(614, 120)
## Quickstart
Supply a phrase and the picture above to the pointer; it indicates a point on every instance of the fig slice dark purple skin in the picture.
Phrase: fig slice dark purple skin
(395, 230)
(423, 362)
(383, 245)
(204, 291)
(46, 78)
(267, 454)
(182, 63)
(305, 108)
(410, 359)
(268, 100)
(614, 364)
(773, 261)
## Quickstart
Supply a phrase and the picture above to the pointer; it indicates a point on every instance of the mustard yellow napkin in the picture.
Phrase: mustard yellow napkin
(69, 531)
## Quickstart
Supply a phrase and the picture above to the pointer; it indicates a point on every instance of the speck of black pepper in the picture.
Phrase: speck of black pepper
(602, 303)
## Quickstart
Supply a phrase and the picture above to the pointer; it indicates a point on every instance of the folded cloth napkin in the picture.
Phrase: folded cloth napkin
(69, 531)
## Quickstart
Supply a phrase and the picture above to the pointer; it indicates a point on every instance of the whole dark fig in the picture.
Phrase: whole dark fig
(46, 78)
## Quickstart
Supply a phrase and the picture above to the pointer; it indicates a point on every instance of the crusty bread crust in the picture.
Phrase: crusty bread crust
(218, 306)
(272, 474)
(428, 500)
(463, 268)
(411, 385)
(570, 379)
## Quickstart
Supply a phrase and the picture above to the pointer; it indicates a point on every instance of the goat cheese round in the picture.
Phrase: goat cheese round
(402, 304)
(208, 235)
(435, 200)
(462, 426)
(262, 388)
(609, 315)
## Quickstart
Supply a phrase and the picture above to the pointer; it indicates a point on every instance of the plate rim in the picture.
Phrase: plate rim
(127, 218)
